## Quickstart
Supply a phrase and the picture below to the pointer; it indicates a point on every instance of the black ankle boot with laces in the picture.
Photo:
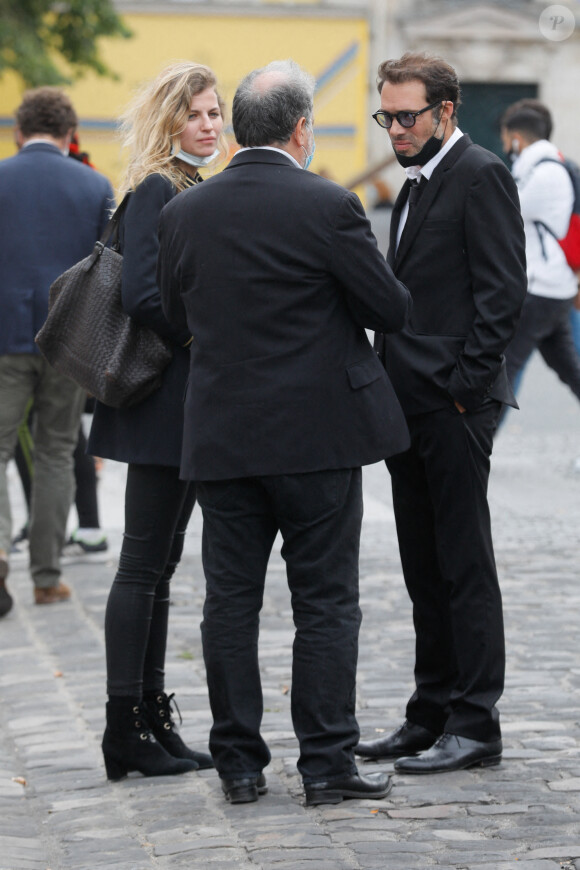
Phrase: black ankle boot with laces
(158, 707)
(129, 744)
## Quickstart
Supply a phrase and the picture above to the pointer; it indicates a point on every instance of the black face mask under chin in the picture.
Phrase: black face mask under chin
(431, 147)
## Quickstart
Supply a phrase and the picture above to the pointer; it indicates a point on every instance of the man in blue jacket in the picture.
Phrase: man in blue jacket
(52, 210)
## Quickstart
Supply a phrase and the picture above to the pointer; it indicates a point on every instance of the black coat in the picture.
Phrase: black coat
(463, 259)
(149, 433)
(276, 273)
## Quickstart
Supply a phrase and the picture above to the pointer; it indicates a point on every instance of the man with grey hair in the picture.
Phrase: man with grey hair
(276, 274)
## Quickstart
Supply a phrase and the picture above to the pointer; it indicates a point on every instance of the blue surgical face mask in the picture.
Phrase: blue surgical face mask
(309, 157)
(191, 159)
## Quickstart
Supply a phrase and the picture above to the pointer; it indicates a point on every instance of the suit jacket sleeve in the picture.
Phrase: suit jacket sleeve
(376, 299)
(140, 245)
(167, 272)
(495, 251)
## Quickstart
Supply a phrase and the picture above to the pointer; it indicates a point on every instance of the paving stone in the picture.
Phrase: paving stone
(571, 850)
(525, 812)
(497, 810)
(434, 812)
(517, 865)
(572, 784)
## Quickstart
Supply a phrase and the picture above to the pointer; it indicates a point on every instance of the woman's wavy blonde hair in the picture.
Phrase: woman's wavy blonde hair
(155, 119)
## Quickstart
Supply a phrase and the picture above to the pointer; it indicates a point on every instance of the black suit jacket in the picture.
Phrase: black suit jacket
(463, 259)
(276, 273)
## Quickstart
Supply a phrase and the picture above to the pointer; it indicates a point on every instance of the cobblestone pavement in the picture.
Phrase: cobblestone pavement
(58, 811)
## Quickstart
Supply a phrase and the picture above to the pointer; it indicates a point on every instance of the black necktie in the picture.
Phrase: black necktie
(416, 189)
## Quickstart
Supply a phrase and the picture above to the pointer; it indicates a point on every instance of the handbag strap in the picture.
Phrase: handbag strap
(111, 231)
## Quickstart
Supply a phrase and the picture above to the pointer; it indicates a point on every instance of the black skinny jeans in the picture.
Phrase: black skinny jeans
(158, 506)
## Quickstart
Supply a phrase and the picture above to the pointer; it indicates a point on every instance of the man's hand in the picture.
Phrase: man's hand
(459, 407)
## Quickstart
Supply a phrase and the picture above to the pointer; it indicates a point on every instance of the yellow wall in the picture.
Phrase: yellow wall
(334, 51)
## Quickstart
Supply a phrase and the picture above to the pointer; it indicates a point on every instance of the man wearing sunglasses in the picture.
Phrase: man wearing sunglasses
(457, 242)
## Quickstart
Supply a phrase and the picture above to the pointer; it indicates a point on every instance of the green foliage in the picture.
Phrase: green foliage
(34, 32)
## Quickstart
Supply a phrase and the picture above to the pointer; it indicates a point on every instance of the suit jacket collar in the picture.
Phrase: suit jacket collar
(423, 206)
(260, 155)
(41, 146)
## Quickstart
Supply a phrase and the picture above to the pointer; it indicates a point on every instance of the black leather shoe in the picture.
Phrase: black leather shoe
(245, 789)
(374, 787)
(406, 740)
(452, 752)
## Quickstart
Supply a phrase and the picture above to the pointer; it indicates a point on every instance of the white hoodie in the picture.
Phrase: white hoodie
(546, 195)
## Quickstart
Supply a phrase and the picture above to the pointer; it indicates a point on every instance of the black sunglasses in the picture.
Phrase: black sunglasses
(405, 119)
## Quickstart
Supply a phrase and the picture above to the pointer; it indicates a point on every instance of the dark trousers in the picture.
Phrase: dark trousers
(86, 501)
(443, 526)
(545, 324)
(158, 506)
(319, 516)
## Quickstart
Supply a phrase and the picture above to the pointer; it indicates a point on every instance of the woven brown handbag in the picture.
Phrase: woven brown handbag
(88, 337)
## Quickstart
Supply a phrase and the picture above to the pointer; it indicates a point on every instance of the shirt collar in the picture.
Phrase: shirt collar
(41, 141)
(270, 148)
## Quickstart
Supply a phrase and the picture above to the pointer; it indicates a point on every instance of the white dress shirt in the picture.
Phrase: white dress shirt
(417, 172)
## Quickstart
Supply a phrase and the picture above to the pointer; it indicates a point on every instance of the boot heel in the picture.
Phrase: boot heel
(128, 744)
(115, 770)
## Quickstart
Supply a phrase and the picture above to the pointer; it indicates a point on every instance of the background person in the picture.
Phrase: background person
(172, 127)
(286, 400)
(52, 210)
(546, 198)
(457, 242)
(88, 535)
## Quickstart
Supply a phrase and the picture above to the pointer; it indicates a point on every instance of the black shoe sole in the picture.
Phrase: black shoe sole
(392, 756)
(245, 794)
(203, 765)
(335, 796)
(490, 761)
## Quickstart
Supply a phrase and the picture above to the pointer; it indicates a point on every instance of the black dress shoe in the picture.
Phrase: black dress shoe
(406, 740)
(244, 789)
(375, 787)
(452, 752)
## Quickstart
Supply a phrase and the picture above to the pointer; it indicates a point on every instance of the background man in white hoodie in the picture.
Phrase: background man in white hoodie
(546, 198)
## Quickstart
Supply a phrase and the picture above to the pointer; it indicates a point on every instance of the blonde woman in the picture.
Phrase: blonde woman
(173, 127)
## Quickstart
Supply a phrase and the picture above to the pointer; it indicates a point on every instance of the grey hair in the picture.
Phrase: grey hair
(268, 115)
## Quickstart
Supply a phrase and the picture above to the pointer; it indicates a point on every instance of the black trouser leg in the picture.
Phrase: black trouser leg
(86, 485)
(559, 351)
(319, 516)
(238, 533)
(157, 508)
(444, 529)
